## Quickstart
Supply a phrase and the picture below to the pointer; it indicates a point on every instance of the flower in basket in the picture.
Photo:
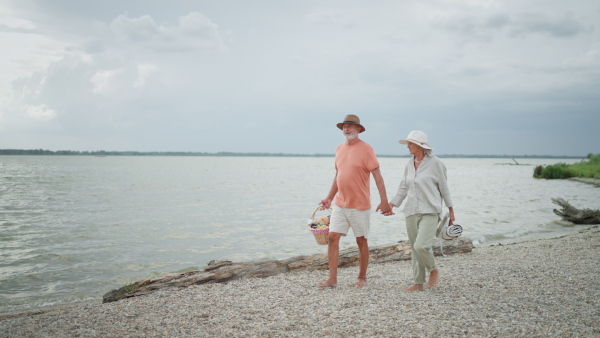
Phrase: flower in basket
(312, 223)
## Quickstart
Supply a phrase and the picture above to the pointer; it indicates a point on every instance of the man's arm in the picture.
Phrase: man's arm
(384, 207)
(396, 201)
(326, 203)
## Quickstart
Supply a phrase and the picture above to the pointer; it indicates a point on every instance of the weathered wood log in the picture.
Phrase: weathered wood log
(223, 271)
(574, 215)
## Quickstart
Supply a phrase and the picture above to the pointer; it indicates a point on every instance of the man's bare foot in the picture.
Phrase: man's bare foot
(327, 284)
(360, 282)
(434, 276)
(416, 287)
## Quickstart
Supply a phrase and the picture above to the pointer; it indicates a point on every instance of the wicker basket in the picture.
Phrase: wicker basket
(321, 235)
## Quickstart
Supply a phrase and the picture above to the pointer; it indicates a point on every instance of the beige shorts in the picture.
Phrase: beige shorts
(343, 219)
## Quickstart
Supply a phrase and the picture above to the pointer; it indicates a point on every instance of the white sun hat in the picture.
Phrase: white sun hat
(417, 137)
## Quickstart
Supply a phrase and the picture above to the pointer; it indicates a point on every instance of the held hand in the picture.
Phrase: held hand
(452, 219)
(391, 212)
(385, 209)
(325, 204)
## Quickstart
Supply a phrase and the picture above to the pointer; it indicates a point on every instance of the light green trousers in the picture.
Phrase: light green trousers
(421, 230)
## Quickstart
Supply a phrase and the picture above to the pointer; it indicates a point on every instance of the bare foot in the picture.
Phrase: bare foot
(434, 276)
(416, 287)
(327, 284)
(360, 282)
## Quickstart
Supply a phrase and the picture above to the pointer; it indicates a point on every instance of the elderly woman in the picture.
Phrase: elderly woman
(424, 186)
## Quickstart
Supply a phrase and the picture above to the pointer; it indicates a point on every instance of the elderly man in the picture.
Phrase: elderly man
(355, 161)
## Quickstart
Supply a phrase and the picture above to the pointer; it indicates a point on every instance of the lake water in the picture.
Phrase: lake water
(73, 228)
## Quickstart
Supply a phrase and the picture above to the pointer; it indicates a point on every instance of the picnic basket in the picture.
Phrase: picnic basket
(315, 226)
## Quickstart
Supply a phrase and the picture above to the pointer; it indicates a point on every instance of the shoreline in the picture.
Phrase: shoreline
(593, 181)
(37, 309)
(539, 287)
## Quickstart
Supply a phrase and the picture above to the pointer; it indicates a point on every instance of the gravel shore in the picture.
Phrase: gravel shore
(547, 287)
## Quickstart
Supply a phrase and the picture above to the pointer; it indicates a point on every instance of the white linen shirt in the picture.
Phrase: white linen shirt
(424, 188)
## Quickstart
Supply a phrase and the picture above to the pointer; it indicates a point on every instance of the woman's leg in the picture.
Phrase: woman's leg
(412, 230)
(427, 226)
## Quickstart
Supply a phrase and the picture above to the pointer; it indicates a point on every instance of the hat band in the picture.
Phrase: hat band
(348, 122)
(415, 141)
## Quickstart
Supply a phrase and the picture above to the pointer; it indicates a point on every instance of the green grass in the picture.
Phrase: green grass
(586, 169)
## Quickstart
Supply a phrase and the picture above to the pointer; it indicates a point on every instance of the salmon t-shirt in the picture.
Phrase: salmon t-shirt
(354, 164)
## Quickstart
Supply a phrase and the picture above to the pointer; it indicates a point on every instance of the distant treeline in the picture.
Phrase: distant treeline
(224, 153)
(140, 153)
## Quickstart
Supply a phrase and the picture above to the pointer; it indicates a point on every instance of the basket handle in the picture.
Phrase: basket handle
(317, 209)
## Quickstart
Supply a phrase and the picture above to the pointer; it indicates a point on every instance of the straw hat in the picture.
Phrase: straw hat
(417, 137)
(351, 119)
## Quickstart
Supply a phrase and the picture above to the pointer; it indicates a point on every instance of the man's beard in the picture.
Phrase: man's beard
(350, 137)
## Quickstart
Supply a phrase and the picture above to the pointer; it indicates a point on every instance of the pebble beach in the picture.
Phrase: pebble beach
(548, 287)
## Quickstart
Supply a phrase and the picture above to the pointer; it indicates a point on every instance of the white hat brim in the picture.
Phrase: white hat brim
(424, 146)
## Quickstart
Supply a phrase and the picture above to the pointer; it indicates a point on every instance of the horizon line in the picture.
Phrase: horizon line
(232, 153)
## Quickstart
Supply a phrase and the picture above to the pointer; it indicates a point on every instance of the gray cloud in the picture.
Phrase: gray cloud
(193, 31)
(201, 76)
(332, 17)
(538, 23)
(486, 28)
(20, 30)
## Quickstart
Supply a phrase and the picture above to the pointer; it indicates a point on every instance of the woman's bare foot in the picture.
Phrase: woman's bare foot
(360, 282)
(328, 284)
(416, 287)
(434, 276)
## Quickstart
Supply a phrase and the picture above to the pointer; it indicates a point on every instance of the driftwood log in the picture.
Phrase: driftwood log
(223, 271)
(574, 215)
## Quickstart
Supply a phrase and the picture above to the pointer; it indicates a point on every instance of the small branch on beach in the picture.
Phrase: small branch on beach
(574, 215)
(513, 158)
(224, 271)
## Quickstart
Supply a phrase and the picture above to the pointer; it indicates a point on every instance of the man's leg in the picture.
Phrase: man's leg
(363, 260)
(333, 256)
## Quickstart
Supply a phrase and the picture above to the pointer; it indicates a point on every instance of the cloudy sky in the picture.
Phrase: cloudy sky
(481, 77)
